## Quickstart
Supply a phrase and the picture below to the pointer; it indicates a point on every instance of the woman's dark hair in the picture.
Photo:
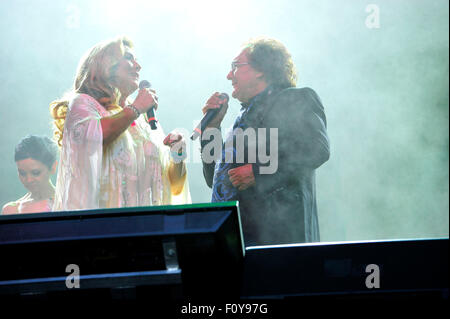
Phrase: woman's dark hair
(40, 148)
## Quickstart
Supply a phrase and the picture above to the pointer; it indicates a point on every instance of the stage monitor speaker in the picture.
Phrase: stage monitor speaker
(384, 269)
(191, 250)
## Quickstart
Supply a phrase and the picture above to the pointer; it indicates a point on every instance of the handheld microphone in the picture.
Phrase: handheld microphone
(211, 114)
(144, 84)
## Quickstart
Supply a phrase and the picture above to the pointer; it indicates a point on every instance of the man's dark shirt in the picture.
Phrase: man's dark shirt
(223, 190)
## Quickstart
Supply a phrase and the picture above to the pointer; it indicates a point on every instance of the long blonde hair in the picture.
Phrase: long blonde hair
(94, 77)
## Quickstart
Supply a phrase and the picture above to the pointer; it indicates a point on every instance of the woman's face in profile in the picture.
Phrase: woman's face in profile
(33, 174)
(126, 75)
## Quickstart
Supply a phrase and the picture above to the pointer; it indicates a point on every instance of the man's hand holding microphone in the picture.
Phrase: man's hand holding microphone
(213, 113)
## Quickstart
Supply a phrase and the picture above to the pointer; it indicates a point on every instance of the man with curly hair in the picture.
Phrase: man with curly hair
(277, 200)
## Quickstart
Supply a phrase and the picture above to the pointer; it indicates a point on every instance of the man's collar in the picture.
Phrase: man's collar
(267, 91)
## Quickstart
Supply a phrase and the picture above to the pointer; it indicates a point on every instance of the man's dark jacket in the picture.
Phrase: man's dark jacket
(281, 207)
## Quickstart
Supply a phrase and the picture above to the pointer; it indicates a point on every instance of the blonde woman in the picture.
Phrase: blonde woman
(109, 155)
(35, 158)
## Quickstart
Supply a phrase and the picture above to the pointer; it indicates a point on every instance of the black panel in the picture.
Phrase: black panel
(319, 269)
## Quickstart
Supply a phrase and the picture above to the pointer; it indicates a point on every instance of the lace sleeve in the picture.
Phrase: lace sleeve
(79, 172)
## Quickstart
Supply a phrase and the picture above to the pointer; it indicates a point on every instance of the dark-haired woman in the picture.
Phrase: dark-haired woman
(35, 158)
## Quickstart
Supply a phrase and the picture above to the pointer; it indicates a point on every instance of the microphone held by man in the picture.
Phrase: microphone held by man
(214, 111)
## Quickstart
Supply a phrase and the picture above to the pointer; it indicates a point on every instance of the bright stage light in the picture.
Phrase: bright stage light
(201, 17)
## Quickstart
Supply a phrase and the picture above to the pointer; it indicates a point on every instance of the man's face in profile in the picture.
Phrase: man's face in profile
(245, 79)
